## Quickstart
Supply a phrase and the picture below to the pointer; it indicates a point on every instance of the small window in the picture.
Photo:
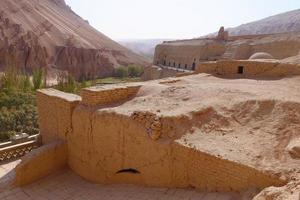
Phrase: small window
(241, 70)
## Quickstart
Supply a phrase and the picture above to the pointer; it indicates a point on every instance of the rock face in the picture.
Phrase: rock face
(47, 33)
(294, 148)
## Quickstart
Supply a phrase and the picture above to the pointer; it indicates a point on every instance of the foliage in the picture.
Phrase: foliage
(135, 71)
(121, 72)
(37, 78)
(67, 83)
(18, 111)
(129, 71)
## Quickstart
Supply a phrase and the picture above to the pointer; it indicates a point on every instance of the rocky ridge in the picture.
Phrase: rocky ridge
(47, 33)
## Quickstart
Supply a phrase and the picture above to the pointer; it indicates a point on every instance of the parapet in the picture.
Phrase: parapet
(55, 110)
(110, 94)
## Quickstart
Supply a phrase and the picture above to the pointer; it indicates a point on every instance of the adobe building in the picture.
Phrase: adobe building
(188, 54)
(258, 65)
(194, 131)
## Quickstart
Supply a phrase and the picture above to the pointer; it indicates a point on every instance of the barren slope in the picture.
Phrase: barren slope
(47, 32)
(284, 22)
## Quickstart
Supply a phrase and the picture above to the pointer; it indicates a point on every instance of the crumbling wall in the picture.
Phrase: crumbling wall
(271, 69)
(107, 147)
(55, 110)
(211, 173)
(99, 96)
(41, 162)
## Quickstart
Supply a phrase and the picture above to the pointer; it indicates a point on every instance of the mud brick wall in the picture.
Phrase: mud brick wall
(211, 173)
(250, 68)
(103, 95)
(55, 110)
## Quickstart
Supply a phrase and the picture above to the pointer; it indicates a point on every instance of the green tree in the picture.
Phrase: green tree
(121, 72)
(134, 71)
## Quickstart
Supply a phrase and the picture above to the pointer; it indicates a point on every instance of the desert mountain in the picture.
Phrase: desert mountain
(47, 33)
(284, 22)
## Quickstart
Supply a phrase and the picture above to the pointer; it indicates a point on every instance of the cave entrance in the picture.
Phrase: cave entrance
(128, 171)
(241, 70)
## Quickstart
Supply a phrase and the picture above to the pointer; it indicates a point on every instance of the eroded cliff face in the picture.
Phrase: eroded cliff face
(47, 33)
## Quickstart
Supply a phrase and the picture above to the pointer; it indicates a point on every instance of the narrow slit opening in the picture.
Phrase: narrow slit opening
(131, 171)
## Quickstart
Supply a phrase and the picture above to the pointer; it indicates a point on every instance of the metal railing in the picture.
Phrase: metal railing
(16, 149)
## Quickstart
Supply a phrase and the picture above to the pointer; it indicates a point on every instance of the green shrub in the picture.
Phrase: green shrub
(10, 79)
(18, 113)
(135, 71)
(67, 83)
(121, 72)
(37, 78)
(26, 83)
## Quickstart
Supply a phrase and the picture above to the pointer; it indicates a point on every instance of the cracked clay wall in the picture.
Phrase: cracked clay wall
(55, 110)
(105, 146)
(104, 143)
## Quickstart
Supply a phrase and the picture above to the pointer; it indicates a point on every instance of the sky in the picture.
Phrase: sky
(173, 19)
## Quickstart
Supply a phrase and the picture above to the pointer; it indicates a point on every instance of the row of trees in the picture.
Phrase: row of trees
(129, 71)
(18, 112)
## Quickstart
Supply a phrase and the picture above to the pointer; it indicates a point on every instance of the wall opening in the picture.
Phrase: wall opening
(174, 64)
(179, 65)
(194, 66)
(241, 70)
(185, 66)
(164, 62)
(169, 63)
(129, 171)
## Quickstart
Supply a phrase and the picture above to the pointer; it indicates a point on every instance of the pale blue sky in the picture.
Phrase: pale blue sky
(147, 19)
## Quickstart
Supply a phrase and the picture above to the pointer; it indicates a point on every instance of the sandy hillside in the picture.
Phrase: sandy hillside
(284, 22)
(39, 33)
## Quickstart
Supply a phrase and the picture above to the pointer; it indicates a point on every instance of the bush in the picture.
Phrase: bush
(26, 83)
(135, 71)
(18, 113)
(67, 83)
(121, 72)
(37, 78)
